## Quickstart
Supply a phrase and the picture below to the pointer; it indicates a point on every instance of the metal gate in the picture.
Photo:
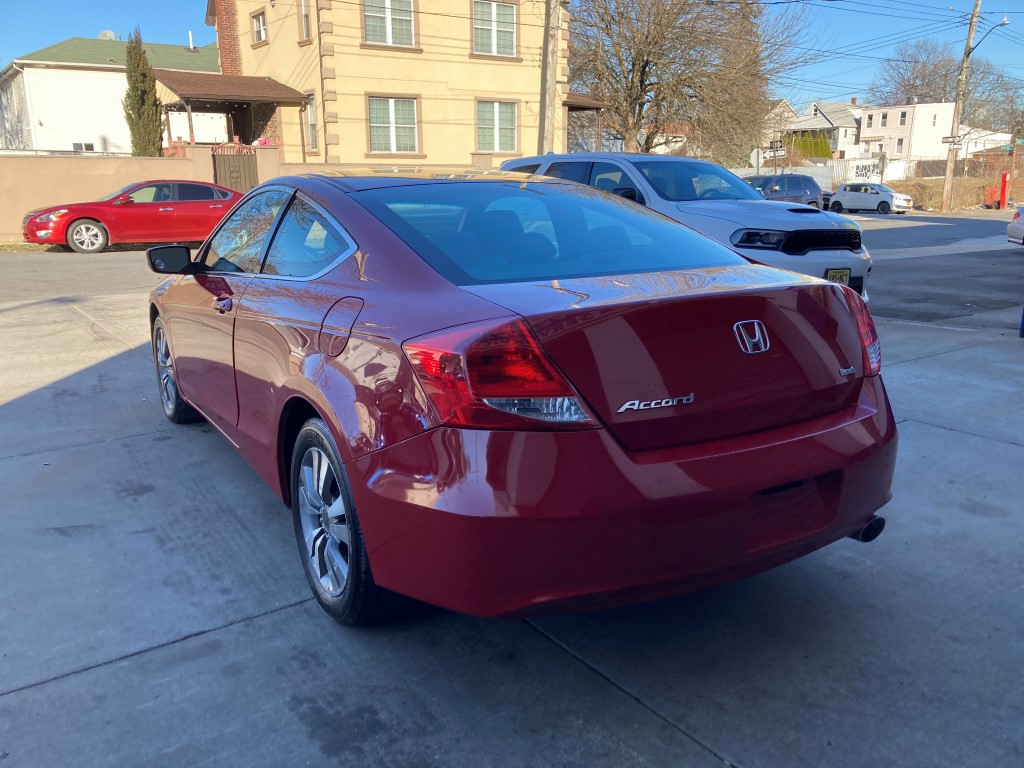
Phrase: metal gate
(234, 166)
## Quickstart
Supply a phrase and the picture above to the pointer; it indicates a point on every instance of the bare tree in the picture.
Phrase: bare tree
(705, 66)
(925, 71)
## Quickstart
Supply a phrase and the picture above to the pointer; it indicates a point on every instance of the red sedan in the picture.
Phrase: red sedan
(147, 212)
(500, 395)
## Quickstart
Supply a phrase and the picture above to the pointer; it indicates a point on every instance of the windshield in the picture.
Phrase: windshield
(686, 180)
(491, 232)
(113, 195)
(758, 182)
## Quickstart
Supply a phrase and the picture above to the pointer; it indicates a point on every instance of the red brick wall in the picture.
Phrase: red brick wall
(228, 37)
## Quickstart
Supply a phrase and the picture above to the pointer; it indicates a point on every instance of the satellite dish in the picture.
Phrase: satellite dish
(106, 34)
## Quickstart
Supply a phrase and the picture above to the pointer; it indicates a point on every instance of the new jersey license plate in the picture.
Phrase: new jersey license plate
(841, 276)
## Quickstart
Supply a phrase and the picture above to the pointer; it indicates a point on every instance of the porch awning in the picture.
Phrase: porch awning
(206, 88)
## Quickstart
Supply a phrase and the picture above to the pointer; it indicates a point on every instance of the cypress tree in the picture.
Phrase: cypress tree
(141, 106)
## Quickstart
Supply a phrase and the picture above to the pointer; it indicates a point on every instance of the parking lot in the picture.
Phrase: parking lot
(154, 610)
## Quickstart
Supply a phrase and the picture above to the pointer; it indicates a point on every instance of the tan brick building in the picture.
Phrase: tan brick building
(444, 82)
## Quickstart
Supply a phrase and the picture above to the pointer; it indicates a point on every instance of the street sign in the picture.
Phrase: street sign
(756, 158)
(775, 145)
(956, 146)
(1020, 141)
(949, 139)
(1006, 146)
(773, 153)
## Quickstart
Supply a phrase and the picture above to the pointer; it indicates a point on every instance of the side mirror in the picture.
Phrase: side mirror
(628, 193)
(124, 200)
(170, 259)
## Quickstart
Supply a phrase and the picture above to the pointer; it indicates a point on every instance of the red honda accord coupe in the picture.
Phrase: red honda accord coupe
(146, 212)
(503, 394)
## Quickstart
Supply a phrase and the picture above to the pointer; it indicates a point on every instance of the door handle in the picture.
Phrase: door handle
(166, 209)
(218, 205)
(223, 303)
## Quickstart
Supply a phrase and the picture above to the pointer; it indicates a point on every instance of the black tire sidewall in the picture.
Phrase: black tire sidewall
(348, 607)
(71, 240)
(836, 207)
(182, 412)
(884, 208)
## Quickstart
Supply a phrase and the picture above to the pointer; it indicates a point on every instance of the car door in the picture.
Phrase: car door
(149, 217)
(197, 210)
(200, 307)
(792, 189)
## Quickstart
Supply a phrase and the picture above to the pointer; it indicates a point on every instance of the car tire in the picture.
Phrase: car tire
(87, 236)
(175, 408)
(884, 208)
(836, 207)
(328, 534)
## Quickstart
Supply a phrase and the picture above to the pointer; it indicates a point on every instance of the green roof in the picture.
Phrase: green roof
(93, 51)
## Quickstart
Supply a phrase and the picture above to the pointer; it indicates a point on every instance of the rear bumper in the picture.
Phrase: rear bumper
(508, 523)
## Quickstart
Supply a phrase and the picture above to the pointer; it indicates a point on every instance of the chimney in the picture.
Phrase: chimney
(853, 101)
(226, 25)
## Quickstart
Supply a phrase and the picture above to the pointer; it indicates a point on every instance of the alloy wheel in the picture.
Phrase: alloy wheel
(87, 236)
(325, 530)
(165, 369)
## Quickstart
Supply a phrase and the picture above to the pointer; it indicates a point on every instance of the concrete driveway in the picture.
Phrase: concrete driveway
(154, 611)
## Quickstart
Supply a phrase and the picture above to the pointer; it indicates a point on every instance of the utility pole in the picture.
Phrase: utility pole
(958, 107)
(549, 76)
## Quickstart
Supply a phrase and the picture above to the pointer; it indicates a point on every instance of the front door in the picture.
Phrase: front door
(149, 217)
(201, 308)
(197, 211)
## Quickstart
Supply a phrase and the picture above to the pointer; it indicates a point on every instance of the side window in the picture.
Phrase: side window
(531, 168)
(575, 171)
(152, 193)
(307, 242)
(609, 176)
(794, 184)
(238, 244)
(188, 192)
(222, 194)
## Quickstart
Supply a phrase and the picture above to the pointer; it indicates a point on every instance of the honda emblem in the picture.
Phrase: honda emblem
(752, 336)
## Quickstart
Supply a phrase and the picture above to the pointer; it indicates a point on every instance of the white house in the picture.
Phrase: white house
(915, 132)
(834, 121)
(67, 97)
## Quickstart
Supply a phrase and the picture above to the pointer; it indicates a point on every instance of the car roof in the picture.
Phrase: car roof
(358, 179)
(604, 156)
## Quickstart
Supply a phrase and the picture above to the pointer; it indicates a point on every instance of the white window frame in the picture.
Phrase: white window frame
(883, 120)
(496, 105)
(389, 31)
(393, 126)
(305, 20)
(259, 27)
(313, 139)
(871, 117)
(899, 146)
(494, 29)
(903, 119)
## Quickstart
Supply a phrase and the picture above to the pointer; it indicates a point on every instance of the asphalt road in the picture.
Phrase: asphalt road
(154, 611)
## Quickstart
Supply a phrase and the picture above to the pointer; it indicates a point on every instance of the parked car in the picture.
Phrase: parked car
(789, 187)
(719, 204)
(869, 197)
(1015, 229)
(500, 394)
(146, 212)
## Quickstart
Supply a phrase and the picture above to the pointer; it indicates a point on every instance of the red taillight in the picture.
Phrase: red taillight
(1016, 215)
(494, 375)
(868, 336)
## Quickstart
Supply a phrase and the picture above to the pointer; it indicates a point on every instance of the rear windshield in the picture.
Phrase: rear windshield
(492, 232)
(688, 180)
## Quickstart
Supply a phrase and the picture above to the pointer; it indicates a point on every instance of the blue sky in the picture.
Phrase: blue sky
(855, 34)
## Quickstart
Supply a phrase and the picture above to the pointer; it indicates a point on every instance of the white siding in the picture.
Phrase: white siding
(926, 139)
(70, 106)
(14, 117)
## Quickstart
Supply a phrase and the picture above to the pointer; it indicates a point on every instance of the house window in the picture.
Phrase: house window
(313, 141)
(495, 126)
(259, 28)
(79, 146)
(881, 147)
(870, 118)
(392, 125)
(846, 133)
(934, 118)
(388, 22)
(903, 118)
(815, 113)
(494, 28)
(884, 120)
(899, 146)
(305, 21)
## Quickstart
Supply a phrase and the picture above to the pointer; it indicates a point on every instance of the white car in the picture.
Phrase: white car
(1015, 229)
(708, 198)
(861, 196)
